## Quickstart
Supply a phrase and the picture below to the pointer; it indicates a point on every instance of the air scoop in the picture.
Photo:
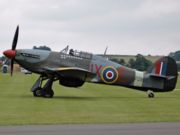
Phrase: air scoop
(10, 53)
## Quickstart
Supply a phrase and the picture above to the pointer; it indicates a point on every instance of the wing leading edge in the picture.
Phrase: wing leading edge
(73, 72)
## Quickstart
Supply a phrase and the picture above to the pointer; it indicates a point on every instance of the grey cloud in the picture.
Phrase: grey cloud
(129, 27)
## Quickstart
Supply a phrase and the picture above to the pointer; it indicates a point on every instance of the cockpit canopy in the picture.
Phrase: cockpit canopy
(76, 53)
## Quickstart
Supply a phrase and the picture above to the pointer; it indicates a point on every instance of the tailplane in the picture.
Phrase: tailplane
(165, 69)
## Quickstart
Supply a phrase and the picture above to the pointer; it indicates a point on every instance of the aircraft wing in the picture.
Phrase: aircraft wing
(74, 72)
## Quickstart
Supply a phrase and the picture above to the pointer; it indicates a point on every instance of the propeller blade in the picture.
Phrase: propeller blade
(15, 40)
(12, 66)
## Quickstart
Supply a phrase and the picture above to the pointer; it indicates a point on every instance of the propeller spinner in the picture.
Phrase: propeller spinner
(12, 53)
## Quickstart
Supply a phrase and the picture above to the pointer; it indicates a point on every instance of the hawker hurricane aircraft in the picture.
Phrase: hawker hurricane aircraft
(73, 68)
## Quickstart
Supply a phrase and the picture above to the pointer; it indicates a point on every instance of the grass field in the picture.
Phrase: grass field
(90, 104)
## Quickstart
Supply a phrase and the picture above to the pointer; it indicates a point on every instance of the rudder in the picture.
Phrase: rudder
(165, 68)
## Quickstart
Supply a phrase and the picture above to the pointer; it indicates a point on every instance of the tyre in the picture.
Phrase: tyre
(37, 92)
(49, 94)
(151, 95)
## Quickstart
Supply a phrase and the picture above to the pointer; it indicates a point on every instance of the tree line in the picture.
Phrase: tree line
(140, 62)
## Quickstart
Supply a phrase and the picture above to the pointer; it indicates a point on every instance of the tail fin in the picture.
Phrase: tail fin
(165, 68)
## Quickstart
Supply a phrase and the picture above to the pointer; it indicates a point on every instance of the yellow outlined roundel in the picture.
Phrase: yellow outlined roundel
(109, 75)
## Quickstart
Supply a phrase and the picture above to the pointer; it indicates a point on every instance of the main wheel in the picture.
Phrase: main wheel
(49, 94)
(151, 95)
(37, 92)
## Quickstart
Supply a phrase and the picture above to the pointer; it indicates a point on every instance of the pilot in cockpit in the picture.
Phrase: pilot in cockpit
(71, 52)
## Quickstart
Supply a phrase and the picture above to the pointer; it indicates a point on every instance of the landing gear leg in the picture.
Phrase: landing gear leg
(37, 87)
(45, 91)
(150, 94)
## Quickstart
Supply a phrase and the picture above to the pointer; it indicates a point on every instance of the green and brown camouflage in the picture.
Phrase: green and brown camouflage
(72, 68)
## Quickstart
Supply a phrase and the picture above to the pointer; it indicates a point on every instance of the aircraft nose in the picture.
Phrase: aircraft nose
(10, 53)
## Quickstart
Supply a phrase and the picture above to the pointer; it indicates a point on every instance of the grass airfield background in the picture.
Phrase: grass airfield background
(90, 104)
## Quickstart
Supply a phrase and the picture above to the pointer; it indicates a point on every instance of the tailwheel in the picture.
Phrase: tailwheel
(151, 94)
(37, 92)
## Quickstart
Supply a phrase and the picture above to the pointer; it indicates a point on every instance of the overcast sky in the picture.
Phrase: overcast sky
(125, 26)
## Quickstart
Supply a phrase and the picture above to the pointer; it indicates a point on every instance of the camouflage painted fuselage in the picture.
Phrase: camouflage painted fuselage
(104, 70)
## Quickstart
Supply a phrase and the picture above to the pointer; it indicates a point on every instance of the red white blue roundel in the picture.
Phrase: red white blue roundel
(109, 74)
